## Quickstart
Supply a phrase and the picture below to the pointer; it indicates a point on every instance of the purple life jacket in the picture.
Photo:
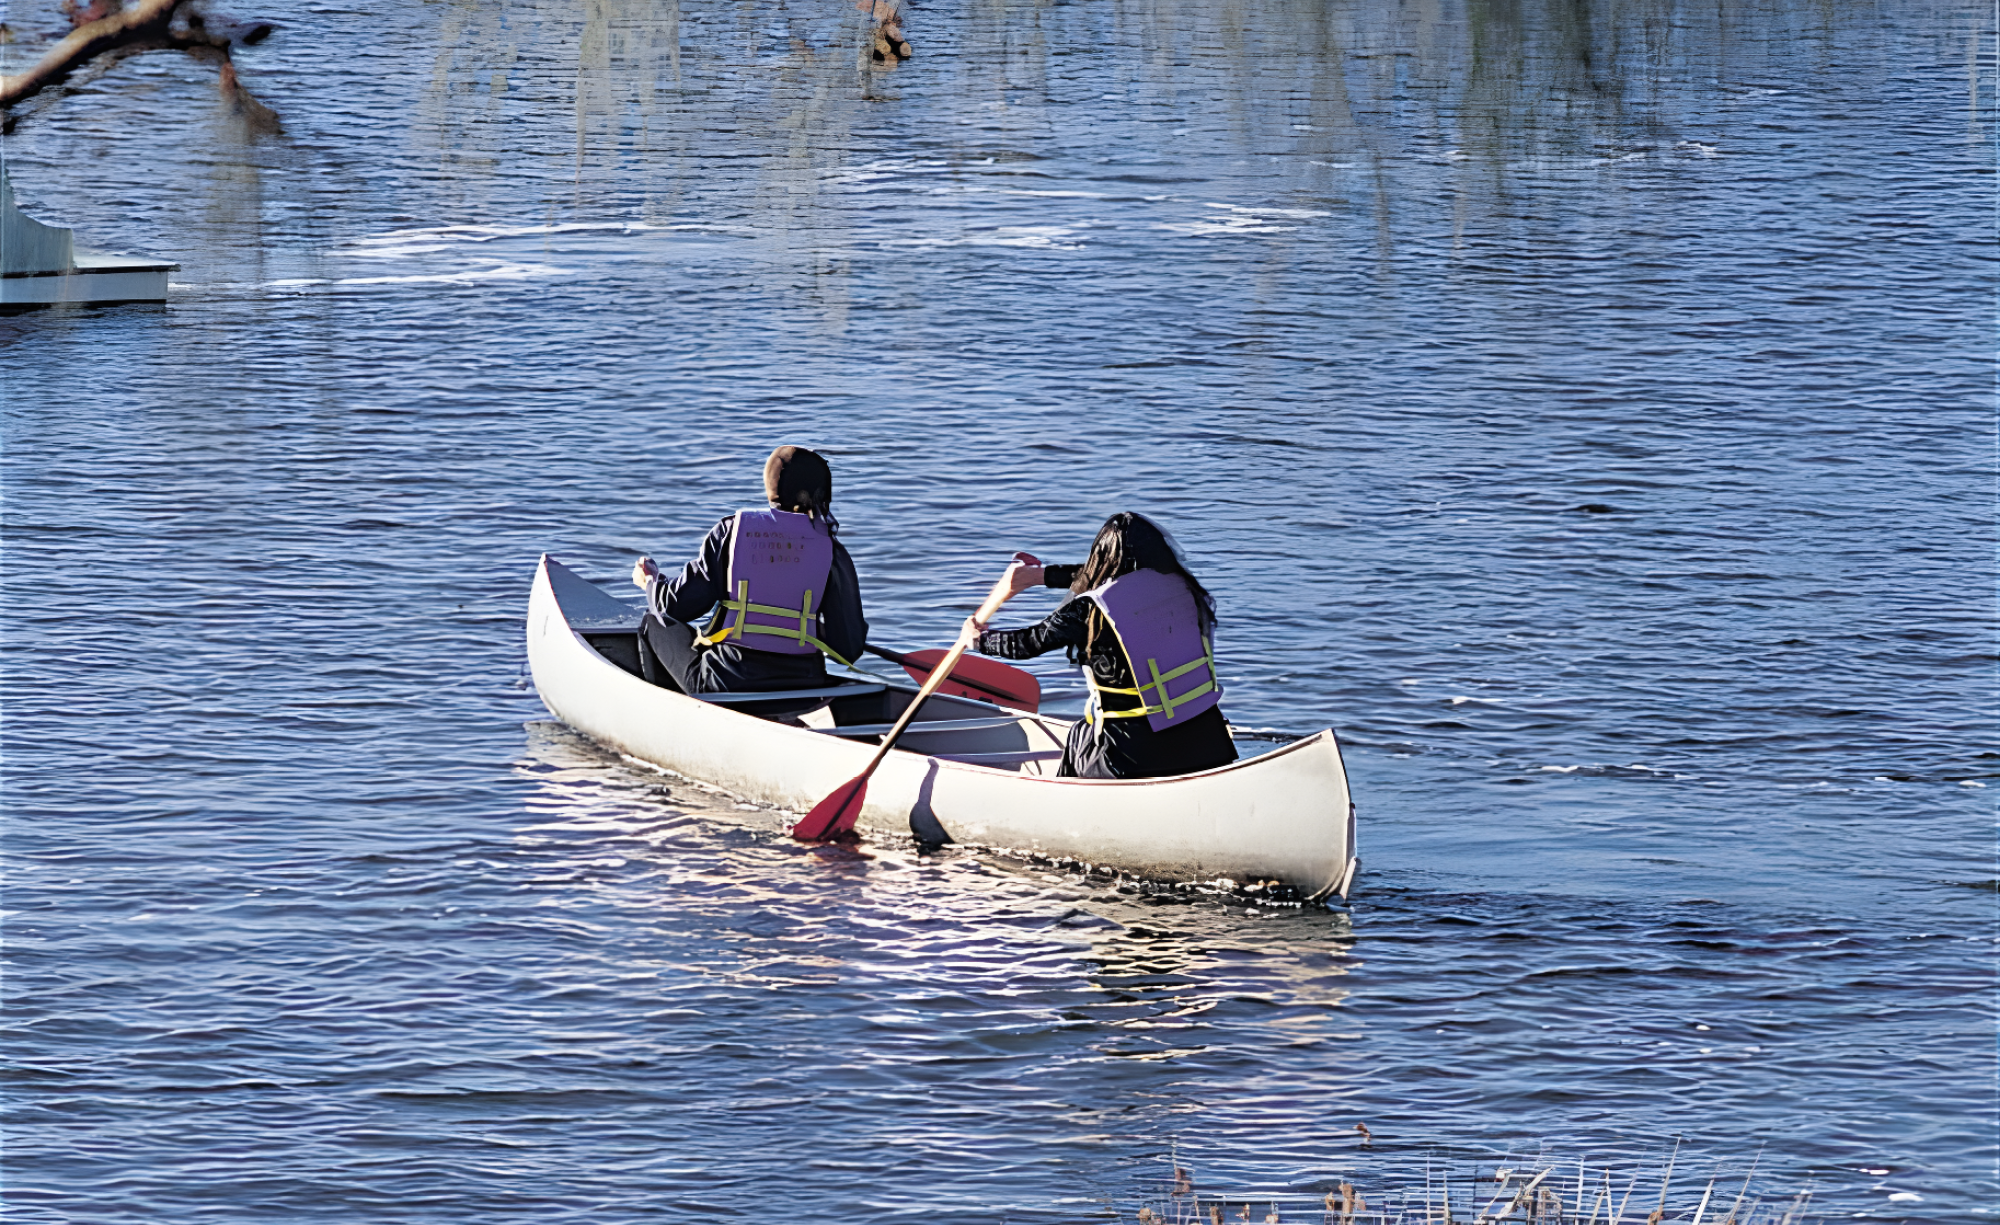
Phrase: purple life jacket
(779, 563)
(1159, 629)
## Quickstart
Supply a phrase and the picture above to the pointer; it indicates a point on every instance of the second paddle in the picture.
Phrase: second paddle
(835, 815)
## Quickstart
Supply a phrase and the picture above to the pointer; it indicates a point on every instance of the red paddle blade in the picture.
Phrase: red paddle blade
(835, 815)
(974, 676)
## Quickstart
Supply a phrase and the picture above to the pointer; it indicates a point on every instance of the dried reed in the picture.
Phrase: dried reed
(1531, 1192)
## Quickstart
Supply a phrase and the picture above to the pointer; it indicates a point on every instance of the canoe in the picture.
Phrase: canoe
(965, 772)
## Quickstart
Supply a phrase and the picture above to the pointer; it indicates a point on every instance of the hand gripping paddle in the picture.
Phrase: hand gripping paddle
(836, 814)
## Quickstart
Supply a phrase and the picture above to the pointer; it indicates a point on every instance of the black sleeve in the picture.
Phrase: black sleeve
(1064, 627)
(841, 623)
(689, 597)
(1059, 576)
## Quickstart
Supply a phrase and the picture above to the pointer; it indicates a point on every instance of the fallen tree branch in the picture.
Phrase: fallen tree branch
(148, 25)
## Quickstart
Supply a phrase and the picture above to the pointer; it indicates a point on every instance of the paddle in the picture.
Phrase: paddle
(836, 814)
(973, 676)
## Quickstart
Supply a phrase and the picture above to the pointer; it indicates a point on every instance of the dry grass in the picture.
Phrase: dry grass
(1535, 1191)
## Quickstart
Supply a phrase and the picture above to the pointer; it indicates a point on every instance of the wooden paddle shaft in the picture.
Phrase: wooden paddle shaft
(1001, 593)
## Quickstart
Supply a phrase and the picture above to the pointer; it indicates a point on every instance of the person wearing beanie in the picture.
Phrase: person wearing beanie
(776, 585)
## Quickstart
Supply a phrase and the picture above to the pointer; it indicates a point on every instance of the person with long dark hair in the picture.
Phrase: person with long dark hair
(1141, 627)
(780, 586)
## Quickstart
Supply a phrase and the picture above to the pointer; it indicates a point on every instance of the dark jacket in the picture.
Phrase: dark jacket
(1116, 748)
(728, 668)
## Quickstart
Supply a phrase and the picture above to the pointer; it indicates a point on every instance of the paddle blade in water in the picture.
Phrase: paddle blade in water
(835, 815)
(973, 676)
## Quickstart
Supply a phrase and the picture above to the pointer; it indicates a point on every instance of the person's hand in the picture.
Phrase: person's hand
(1027, 571)
(643, 570)
(1023, 572)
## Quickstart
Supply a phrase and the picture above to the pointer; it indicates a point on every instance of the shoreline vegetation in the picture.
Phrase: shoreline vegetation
(1532, 1191)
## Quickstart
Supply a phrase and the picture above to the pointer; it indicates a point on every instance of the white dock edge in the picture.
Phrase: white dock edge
(40, 265)
(96, 279)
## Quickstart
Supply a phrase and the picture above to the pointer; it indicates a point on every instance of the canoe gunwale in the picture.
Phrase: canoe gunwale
(1208, 825)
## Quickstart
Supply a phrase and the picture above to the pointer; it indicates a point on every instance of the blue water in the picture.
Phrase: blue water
(1587, 410)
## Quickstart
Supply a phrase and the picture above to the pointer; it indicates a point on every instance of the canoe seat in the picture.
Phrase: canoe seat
(921, 726)
(1014, 758)
(790, 695)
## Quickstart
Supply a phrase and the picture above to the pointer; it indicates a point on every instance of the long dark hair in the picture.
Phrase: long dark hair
(1125, 543)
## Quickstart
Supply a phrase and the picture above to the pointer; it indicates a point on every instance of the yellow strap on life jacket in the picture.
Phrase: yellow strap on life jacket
(1158, 684)
(1167, 701)
(742, 607)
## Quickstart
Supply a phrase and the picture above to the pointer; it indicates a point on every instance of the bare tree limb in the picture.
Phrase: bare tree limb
(145, 21)
(148, 25)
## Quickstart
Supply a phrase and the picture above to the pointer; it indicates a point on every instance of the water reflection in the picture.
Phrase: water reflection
(628, 74)
(1169, 978)
(1032, 946)
(812, 103)
(461, 115)
(1317, 85)
(1377, 113)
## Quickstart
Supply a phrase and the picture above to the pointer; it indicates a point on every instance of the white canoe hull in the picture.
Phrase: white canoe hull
(1284, 815)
